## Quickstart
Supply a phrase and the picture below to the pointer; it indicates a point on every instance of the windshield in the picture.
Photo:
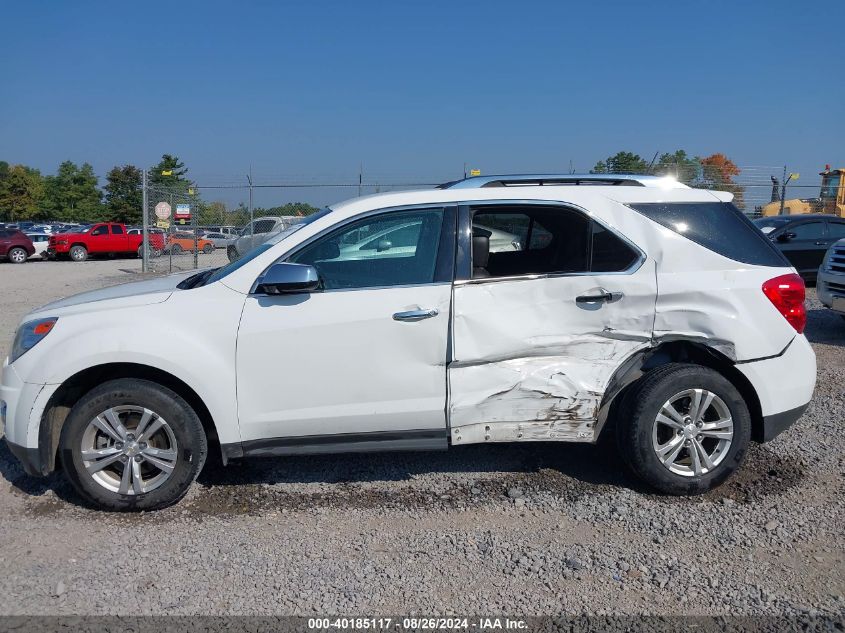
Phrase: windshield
(274, 239)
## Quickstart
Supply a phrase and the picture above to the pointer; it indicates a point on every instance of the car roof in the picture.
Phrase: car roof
(527, 180)
(551, 193)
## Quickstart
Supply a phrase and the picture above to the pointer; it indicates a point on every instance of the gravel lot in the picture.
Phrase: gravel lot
(528, 529)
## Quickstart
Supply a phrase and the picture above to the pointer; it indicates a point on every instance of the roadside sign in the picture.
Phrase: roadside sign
(162, 210)
(474, 172)
(183, 211)
(163, 224)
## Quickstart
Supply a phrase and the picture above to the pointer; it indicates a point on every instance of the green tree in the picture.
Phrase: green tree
(169, 174)
(21, 193)
(686, 169)
(291, 208)
(621, 163)
(123, 194)
(72, 194)
(211, 213)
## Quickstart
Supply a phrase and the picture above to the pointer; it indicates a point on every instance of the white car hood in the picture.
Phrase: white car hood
(120, 296)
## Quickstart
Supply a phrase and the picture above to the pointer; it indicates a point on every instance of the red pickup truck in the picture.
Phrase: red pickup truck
(106, 237)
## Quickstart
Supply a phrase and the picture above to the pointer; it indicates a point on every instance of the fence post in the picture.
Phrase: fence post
(251, 218)
(782, 191)
(145, 243)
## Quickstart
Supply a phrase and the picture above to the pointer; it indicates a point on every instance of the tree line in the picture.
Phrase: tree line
(715, 171)
(73, 194)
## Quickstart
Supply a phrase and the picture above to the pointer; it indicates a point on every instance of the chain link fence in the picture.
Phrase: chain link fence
(208, 224)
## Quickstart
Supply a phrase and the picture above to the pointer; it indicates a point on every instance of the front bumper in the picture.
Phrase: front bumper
(23, 405)
(831, 286)
(30, 459)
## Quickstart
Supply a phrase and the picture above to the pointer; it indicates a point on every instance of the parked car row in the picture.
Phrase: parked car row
(112, 238)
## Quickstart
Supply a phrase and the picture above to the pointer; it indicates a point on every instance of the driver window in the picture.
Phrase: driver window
(391, 249)
(101, 230)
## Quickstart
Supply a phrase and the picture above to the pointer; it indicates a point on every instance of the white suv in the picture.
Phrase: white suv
(632, 306)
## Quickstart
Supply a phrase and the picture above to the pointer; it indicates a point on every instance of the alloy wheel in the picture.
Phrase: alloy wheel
(693, 432)
(129, 449)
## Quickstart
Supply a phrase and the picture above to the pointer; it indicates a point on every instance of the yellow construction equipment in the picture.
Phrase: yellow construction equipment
(831, 197)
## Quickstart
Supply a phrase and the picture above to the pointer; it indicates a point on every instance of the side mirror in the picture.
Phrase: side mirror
(287, 278)
(384, 245)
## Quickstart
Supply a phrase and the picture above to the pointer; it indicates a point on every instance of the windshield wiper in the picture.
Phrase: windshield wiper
(195, 281)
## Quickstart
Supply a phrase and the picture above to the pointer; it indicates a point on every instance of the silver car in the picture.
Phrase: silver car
(830, 283)
(257, 232)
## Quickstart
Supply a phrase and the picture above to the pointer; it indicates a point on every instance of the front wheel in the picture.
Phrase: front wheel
(78, 253)
(683, 429)
(176, 249)
(208, 249)
(17, 255)
(132, 445)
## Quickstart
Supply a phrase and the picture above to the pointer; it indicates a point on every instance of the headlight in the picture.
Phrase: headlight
(826, 258)
(29, 334)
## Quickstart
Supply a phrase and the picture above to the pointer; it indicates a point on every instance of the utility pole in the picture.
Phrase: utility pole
(251, 227)
(145, 219)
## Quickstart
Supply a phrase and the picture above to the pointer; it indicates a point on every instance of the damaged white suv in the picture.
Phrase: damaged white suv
(627, 305)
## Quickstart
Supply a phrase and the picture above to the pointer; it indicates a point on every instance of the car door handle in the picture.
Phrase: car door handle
(416, 315)
(821, 243)
(602, 296)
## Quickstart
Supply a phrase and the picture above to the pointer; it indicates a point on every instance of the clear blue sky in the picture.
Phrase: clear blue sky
(415, 89)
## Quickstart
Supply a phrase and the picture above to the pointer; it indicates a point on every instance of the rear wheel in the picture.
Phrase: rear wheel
(176, 249)
(17, 255)
(132, 445)
(684, 429)
(208, 249)
(78, 253)
(232, 253)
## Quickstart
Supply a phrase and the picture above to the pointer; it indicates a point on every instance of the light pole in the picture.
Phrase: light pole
(786, 181)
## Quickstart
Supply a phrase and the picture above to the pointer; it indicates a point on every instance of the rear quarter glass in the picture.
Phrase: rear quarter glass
(717, 226)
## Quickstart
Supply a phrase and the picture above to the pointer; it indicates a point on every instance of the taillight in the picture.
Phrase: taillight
(787, 293)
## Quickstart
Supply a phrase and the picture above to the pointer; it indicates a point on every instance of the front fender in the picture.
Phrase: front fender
(190, 336)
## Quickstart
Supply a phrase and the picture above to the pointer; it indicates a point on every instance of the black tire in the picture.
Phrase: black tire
(636, 421)
(78, 253)
(208, 249)
(192, 446)
(232, 253)
(17, 255)
(176, 249)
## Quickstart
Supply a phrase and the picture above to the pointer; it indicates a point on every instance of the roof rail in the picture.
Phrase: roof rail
(555, 180)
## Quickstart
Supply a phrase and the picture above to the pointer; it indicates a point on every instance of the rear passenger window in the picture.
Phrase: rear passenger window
(807, 231)
(116, 229)
(717, 226)
(535, 239)
(836, 229)
(609, 253)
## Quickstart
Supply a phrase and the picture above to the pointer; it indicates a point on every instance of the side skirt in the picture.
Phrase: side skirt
(378, 441)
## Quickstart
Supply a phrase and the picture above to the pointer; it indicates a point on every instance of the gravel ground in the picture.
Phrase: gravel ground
(529, 529)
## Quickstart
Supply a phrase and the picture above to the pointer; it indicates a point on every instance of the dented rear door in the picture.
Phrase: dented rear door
(533, 354)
